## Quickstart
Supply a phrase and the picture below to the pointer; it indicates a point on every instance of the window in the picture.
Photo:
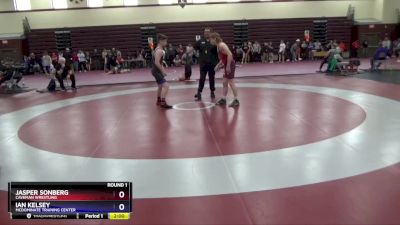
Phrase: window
(130, 2)
(95, 3)
(60, 4)
(22, 5)
(164, 2)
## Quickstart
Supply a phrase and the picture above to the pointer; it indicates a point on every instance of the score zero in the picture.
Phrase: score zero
(121, 195)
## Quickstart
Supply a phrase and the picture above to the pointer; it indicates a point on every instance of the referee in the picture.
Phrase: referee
(208, 59)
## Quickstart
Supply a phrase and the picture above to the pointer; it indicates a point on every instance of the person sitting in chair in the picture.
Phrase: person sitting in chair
(7, 73)
(33, 65)
(63, 71)
(381, 54)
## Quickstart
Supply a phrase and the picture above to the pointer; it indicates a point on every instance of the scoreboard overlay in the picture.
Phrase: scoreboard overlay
(70, 200)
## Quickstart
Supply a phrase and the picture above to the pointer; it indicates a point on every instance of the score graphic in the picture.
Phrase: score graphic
(70, 200)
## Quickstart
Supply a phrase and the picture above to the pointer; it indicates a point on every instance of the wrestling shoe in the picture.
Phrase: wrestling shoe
(158, 101)
(164, 105)
(198, 97)
(212, 95)
(222, 101)
(234, 103)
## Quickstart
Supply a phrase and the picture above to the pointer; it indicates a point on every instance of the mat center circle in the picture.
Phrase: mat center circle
(193, 105)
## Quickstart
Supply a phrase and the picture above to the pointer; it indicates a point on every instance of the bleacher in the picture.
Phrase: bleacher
(128, 38)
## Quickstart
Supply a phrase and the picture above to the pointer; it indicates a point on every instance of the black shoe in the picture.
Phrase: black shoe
(222, 101)
(158, 101)
(234, 103)
(164, 105)
(198, 97)
(212, 95)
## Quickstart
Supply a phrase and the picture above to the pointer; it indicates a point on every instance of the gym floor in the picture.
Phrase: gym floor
(301, 149)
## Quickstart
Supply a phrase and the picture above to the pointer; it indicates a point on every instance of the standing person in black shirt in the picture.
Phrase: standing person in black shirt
(96, 57)
(68, 56)
(365, 48)
(170, 55)
(208, 59)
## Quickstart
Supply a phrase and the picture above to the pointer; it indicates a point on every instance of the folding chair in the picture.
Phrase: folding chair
(348, 68)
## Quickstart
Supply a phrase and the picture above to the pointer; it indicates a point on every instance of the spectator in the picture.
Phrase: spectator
(112, 63)
(311, 50)
(270, 52)
(250, 45)
(75, 61)
(288, 55)
(187, 60)
(138, 59)
(33, 65)
(113, 52)
(382, 53)
(238, 53)
(88, 61)
(82, 61)
(109, 58)
(170, 56)
(386, 43)
(104, 56)
(281, 52)
(54, 58)
(120, 63)
(96, 60)
(246, 53)
(295, 51)
(233, 49)
(365, 48)
(46, 62)
(396, 49)
(256, 51)
(354, 48)
(342, 46)
(135, 60)
(180, 50)
(304, 50)
(264, 53)
(67, 56)
(196, 55)
(298, 50)
(143, 56)
(177, 61)
(329, 45)
(317, 46)
(25, 63)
